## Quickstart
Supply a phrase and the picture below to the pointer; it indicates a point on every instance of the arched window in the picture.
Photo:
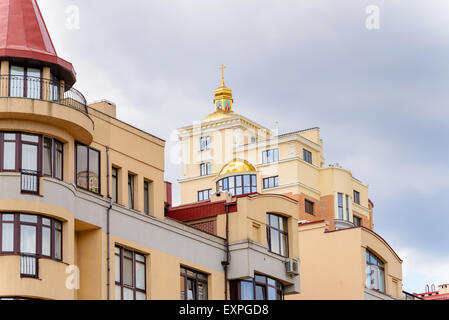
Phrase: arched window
(375, 272)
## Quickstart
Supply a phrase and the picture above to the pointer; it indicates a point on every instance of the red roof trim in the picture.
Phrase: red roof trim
(311, 222)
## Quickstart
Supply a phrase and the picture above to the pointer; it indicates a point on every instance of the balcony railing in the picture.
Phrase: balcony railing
(42, 89)
(30, 181)
(29, 266)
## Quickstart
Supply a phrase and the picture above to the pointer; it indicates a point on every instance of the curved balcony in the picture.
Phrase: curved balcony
(44, 100)
(343, 224)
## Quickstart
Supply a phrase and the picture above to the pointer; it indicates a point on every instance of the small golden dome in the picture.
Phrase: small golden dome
(237, 166)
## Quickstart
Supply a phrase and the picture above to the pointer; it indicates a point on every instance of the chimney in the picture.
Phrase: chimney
(168, 194)
(106, 107)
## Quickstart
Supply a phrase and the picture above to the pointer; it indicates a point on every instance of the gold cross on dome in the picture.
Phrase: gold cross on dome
(222, 68)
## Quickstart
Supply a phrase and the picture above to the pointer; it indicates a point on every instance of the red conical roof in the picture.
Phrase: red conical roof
(23, 34)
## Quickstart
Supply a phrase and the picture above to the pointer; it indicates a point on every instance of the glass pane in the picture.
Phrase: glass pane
(141, 295)
(191, 290)
(260, 279)
(9, 161)
(58, 165)
(33, 83)
(47, 165)
(140, 275)
(238, 181)
(246, 180)
(272, 293)
(381, 279)
(146, 197)
(128, 272)
(28, 239)
(274, 221)
(275, 245)
(8, 217)
(368, 276)
(128, 294)
(114, 185)
(58, 225)
(46, 242)
(16, 86)
(247, 290)
(260, 292)
(28, 218)
(94, 171)
(46, 222)
(271, 282)
(117, 267)
(284, 245)
(58, 244)
(81, 167)
(29, 157)
(202, 291)
(8, 237)
(30, 138)
(118, 292)
(140, 257)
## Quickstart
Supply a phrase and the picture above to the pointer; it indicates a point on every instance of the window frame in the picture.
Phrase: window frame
(146, 197)
(266, 155)
(359, 219)
(131, 191)
(238, 182)
(380, 265)
(114, 182)
(266, 182)
(356, 197)
(121, 283)
(54, 152)
(271, 228)
(340, 206)
(309, 207)
(236, 288)
(88, 166)
(307, 156)
(17, 229)
(197, 281)
(205, 143)
(205, 169)
(203, 192)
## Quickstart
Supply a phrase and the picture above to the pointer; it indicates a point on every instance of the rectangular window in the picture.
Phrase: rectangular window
(9, 151)
(204, 195)
(357, 221)
(270, 156)
(277, 234)
(272, 182)
(193, 285)
(87, 168)
(347, 208)
(146, 197)
(130, 275)
(114, 190)
(257, 288)
(205, 169)
(340, 206)
(307, 155)
(205, 143)
(130, 191)
(52, 158)
(357, 197)
(309, 207)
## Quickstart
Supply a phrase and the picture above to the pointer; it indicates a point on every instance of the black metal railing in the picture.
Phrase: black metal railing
(29, 266)
(42, 89)
(30, 181)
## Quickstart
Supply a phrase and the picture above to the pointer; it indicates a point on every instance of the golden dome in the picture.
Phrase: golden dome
(237, 166)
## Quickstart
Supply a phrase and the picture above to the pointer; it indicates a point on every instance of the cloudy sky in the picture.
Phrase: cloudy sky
(379, 96)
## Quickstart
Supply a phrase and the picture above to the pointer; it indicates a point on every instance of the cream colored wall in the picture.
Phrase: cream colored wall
(334, 267)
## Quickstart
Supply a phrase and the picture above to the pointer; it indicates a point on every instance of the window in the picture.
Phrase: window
(146, 197)
(205, 169)
(375, 272)
(357, 221)
(204, 195)
(25, 82)
(30, 235)
(114, 194)
(193, 285)
(309, 207)
(205, 143)
(257, 288)
(357, 197)
(307, 155)
(130, 275)
(130, 191)
(52, 158)
(9, 151)
(347, 208)
(277, 234)
(87, 168)
(238, 185)
(340, 206)
(272, 182)
(270, 156)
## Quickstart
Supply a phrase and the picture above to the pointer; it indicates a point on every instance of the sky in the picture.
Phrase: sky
(374, 79)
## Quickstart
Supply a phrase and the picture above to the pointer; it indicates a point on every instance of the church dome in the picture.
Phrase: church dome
(237, 166)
